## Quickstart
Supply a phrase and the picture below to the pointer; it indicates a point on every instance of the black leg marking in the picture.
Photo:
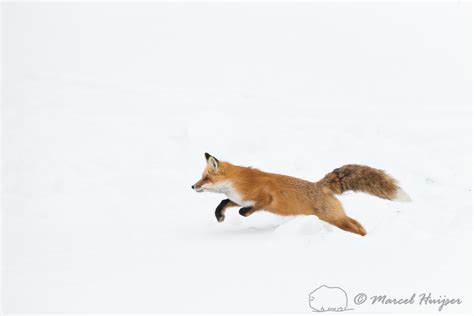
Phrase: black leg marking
(246, 211)
(219, 214)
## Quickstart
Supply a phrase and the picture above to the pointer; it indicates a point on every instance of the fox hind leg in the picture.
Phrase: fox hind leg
(346, 223)
(357, 227)
(350, 225)
(335, 215)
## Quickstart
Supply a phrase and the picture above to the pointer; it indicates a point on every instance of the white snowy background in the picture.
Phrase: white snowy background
(108, 109)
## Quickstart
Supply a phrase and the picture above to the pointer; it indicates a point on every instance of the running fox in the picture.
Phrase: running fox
(254, 190)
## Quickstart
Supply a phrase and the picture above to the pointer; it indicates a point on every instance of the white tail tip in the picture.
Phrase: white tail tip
(401, 196)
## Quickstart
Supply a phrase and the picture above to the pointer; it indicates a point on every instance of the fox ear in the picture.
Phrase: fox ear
(212, 162)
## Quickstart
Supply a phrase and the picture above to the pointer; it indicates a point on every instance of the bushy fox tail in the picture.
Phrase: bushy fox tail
(364, 179)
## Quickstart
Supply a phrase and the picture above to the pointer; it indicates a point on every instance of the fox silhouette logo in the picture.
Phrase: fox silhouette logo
(328, 299)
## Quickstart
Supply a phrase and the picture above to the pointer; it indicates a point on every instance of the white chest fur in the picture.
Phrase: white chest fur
(234, 196)
(227, 188)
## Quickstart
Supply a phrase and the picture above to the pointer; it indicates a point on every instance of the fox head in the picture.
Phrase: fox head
(213, 176)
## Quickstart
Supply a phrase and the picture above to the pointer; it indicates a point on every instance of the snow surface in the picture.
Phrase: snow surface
(109, 108)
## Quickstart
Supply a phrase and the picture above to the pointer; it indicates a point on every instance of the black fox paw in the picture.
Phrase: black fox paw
(219, 216)
(245, 211)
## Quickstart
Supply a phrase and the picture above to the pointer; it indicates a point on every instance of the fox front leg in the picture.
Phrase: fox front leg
(220, 210)
(247, 211)
(260, 205)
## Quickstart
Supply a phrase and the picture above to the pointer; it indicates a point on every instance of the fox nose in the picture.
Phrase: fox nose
(192, 187)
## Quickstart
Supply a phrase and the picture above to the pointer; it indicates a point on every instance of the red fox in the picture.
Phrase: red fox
(254, 190)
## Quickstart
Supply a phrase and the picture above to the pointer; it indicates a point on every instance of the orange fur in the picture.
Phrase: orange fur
(285, 195)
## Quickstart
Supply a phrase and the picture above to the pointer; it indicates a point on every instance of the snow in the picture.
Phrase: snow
(109, 108)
